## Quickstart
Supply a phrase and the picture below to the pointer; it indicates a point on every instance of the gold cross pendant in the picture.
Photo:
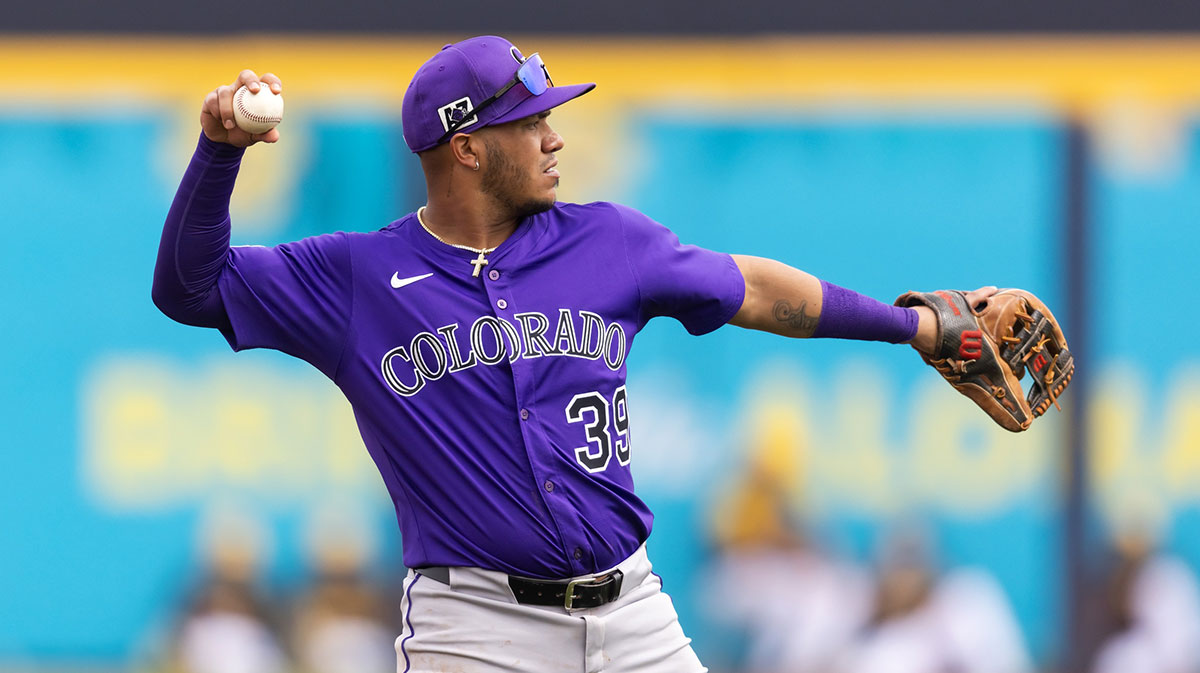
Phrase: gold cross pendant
(479, 263)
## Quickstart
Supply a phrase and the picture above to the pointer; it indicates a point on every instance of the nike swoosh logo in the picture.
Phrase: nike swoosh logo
(398, 282)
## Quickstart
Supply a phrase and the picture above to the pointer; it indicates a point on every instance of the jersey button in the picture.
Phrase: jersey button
(578, 553)
(524, 414)
(494, 274)
(501, 304)
(549, 486)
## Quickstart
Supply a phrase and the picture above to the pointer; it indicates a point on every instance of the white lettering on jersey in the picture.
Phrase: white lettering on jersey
(406, 369)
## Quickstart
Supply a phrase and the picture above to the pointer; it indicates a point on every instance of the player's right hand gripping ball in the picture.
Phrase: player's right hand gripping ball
(985, 353)
(257, 112)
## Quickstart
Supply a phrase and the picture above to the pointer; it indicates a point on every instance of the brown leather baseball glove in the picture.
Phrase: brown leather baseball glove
(984, 352)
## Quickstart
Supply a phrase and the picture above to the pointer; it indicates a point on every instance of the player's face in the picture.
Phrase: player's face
(521, 173)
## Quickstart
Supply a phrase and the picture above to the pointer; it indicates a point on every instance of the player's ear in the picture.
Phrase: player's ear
(466, 150)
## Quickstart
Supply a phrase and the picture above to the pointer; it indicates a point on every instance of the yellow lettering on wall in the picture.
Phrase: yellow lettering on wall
(1181, 438)
(968, 464)
(856, 458)
(1121, 468)
(159, 434)
(874, 452)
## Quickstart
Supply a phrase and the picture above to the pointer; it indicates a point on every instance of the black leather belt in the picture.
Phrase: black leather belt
(590, 592)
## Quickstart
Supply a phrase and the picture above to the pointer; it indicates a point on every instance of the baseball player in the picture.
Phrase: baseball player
(482, 342)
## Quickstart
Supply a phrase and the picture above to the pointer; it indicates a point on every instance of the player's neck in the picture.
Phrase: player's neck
(458, 224)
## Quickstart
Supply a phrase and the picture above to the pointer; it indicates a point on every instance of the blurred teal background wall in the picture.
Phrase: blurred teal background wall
(130, 438)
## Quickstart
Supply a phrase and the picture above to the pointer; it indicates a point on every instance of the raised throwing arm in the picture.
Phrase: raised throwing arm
(195, 240)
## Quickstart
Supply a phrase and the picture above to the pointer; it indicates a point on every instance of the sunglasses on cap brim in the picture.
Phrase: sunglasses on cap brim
(532, 74)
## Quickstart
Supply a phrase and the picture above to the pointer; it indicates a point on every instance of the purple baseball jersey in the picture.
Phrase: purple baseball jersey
(494, 406)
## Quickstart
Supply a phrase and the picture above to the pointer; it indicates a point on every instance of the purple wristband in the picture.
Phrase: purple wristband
(846, 314)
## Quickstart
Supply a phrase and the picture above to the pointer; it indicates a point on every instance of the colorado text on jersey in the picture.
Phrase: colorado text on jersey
(492, 339)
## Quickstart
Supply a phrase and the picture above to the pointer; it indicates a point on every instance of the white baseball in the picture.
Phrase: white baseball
(257, 112)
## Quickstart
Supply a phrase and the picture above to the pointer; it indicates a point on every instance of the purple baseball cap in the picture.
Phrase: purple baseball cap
(460, 77)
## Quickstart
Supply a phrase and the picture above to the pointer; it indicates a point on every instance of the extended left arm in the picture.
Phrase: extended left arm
(787, 301)
(982, 342)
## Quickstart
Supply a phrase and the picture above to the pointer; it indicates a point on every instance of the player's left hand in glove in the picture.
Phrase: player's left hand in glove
(984, 351)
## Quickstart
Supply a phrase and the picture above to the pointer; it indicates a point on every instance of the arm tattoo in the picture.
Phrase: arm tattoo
(796, 318)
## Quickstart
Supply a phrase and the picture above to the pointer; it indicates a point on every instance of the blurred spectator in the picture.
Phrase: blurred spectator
(961, 623)
(342, 625)
(1154, 611)
(226, 628)
(795, 607)
(800, 610)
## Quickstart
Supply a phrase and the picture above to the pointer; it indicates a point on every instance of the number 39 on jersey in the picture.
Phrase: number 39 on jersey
(596, 413)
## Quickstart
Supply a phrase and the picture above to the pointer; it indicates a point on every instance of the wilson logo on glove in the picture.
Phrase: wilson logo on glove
(972, 345)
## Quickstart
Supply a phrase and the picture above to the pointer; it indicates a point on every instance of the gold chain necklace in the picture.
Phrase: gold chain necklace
(479, 262)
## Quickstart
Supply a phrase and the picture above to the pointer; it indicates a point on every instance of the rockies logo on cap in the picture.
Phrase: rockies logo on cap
(453, 113)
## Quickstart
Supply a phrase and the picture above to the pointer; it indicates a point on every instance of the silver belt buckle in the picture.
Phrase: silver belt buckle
(569, 599)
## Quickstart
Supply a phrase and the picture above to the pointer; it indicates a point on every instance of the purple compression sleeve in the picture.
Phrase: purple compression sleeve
(846, 314)
(195, 241)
